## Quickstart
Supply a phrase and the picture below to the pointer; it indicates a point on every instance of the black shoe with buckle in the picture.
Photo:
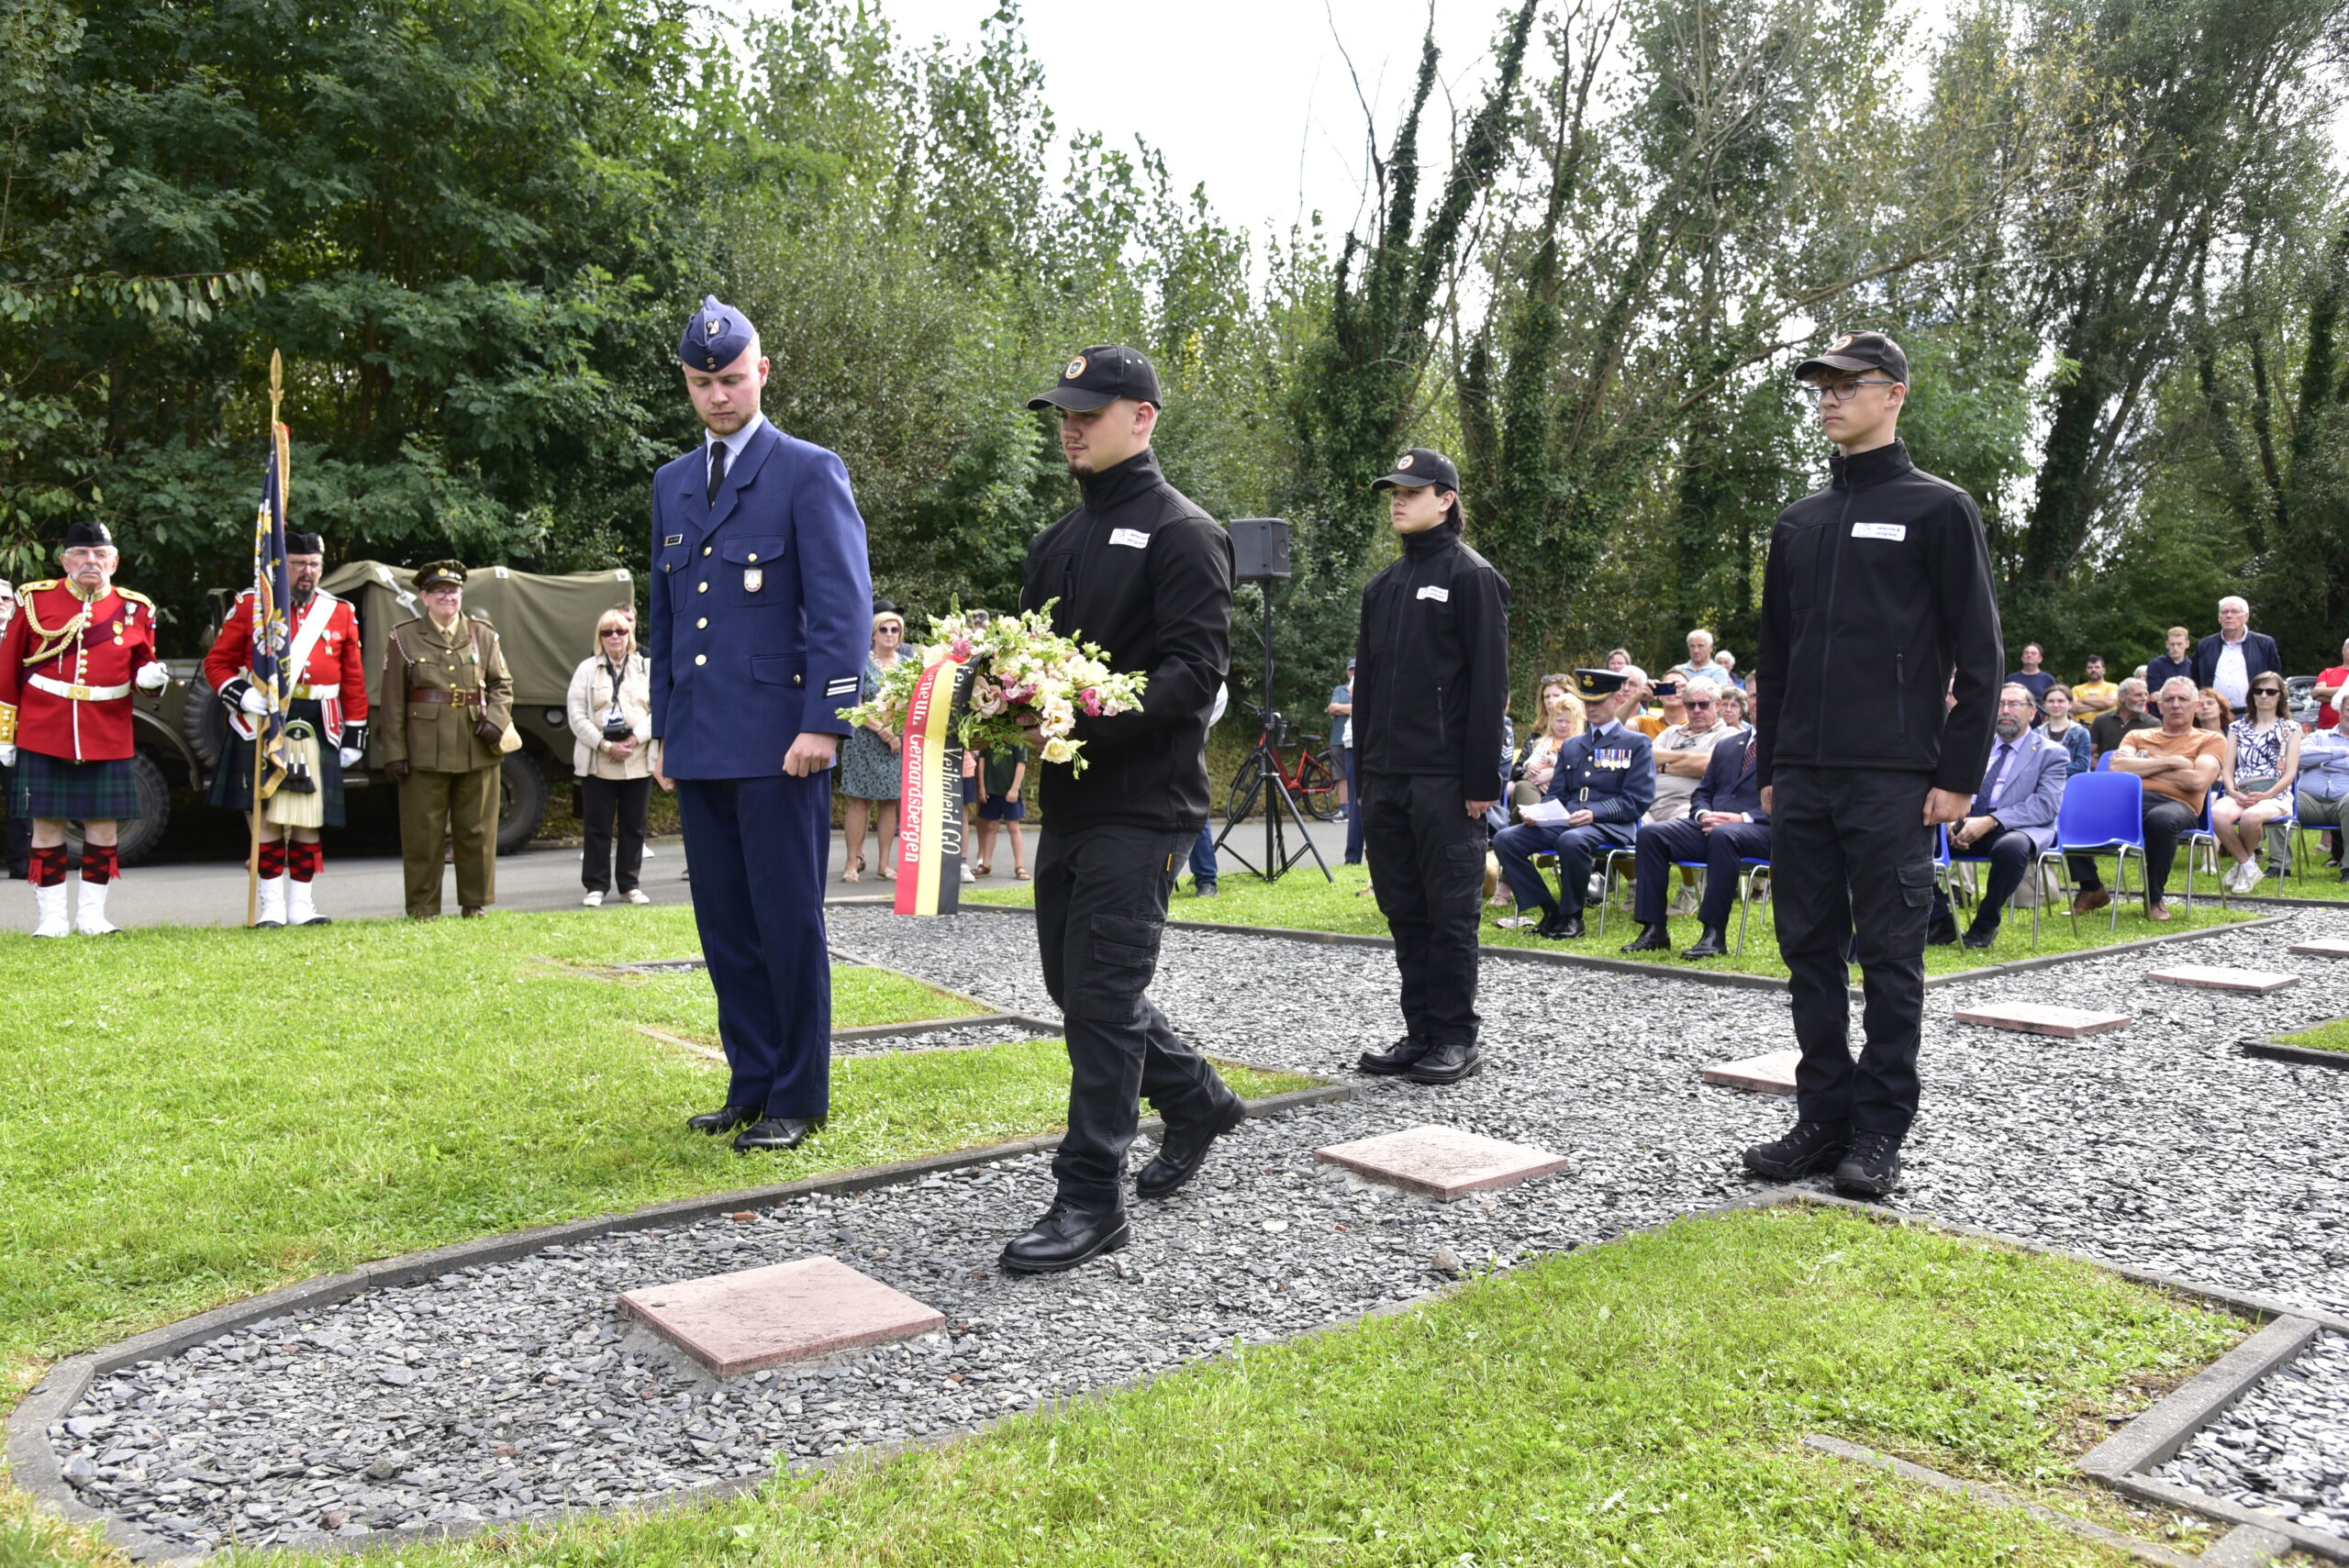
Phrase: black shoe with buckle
(1446, 1063)
(1396, 1058)
(725, 1119)
(1066, 1236)
(1714, 943)
(1810, 1147)
(1872, 1167)
(1654, 938)
(776, 1133)
(1184, 1148)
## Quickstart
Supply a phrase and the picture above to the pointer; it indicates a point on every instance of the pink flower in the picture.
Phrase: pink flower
(959, 648)
(1091, 702)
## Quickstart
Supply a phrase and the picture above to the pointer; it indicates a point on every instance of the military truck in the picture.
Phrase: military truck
(545, 623)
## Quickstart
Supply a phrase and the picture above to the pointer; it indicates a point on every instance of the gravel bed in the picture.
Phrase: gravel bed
(2158, 1145)
(964, 1037)
(2284, 1447)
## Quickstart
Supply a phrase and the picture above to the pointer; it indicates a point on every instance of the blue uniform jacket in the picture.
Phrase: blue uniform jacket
(1612, 776)
(762, 606)
(1728, 785)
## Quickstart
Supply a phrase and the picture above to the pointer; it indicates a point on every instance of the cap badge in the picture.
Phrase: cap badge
(1840, 344)
(1074, 368)
(1403, 462)
(711, 326)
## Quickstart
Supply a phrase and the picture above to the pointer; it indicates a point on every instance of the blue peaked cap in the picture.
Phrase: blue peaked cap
(714, 337)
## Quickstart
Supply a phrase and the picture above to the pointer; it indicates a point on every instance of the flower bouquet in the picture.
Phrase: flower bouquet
(1020, 665)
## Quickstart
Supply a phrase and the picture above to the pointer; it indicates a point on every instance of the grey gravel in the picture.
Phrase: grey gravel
(2159, 1146)
(2283, 1448)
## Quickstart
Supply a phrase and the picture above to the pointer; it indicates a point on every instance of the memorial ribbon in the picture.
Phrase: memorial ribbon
(930, 813)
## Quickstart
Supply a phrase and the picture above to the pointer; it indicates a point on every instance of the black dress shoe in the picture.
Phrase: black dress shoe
(1446, 1063)
(1184, 1149)
(1941, 930)
(1395, 1058)
(1655, 937)
(776, 1133)
(1978, 936)
(1713, 943)
(1560, 926)
(725, 1119)
(1811, 1146)
(1066, 1237)
(1872, 1168)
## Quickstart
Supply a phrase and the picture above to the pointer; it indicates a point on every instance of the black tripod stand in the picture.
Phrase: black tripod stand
(1261, 773)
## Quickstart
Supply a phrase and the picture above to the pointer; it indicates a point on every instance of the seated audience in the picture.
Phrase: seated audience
(2095, 695)
(1605, 779)
(1699, 663)
(1682, 749)
(1728, 662)
(2212, 712)
(1634, 713)
(1726, 827)
(1618, 659)
(1733, 708)
(2328, 691)
(2031, 677)
(2128, 713)
(2175, 661)
(2230, 658)
(2263, 757)
(1534, 764)
(2323, 782)
(2178, 764)
(2056, 703)
(2012, 821)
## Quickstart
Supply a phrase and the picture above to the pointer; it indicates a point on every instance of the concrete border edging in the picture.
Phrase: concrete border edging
(2275, 1048)
(2160, 1433)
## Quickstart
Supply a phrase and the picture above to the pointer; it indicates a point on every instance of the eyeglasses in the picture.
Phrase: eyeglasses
(2015, 702)
(1843, 391)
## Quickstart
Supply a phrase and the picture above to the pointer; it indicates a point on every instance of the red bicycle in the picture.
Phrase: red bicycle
(1309, 775)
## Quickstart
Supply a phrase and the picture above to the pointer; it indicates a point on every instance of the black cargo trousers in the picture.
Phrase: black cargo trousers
(1427, 866)
(1100, 914)
(1852, 860)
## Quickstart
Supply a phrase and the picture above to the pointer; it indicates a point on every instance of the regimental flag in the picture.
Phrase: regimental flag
(272, 633)
(929, 811)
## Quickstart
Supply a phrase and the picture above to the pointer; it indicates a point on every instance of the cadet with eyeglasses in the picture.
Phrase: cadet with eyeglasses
(1876, 589)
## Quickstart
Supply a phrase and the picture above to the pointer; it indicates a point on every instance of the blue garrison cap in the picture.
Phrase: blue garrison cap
(715, 335)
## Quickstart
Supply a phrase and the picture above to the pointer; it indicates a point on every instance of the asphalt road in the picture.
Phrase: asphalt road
(211, 891)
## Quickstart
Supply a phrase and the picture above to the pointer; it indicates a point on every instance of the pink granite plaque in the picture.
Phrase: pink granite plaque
(2216, 977)
(2037, 1017)
(1442, 1161)
(786, 1312)
(1770, 1074)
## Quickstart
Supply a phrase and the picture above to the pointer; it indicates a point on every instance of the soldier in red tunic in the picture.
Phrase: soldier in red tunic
(329, 706)
(67, 662)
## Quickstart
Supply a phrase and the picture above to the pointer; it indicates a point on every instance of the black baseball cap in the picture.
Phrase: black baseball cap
(1859, 351)
(1098, 377)
(1420, 465)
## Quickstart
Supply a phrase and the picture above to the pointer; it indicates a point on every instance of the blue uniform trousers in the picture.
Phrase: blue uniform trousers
(1354, 805)
(1662, 844)
(1203, 862)
(757, 850)
(1575, 848)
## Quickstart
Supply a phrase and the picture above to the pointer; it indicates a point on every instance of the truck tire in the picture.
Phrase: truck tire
(521, 801)
(136, 839)
(204, 721)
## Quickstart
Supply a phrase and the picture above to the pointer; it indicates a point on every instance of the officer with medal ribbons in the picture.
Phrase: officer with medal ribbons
(69, 661)
(327, 726)
(1430, 702)
(759, 630)
(1604, 782)
(1141, 570)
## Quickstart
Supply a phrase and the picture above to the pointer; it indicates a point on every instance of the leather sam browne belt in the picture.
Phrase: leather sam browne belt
(452, 699)
(72, 693)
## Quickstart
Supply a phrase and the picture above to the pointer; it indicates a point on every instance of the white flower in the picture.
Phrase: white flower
(1060, 749)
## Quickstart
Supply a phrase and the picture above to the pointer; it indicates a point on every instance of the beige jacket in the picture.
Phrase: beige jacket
(591, 694)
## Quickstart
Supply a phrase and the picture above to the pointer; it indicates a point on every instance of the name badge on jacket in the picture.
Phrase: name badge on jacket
(1134, 538)
(1440, 595)
(1894, 531)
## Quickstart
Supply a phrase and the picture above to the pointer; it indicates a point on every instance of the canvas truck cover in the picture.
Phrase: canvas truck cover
(547, 624)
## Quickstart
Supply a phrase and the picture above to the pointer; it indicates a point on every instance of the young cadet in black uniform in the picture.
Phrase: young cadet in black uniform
(1877, 588)
(1141, 570)
(1430, 695)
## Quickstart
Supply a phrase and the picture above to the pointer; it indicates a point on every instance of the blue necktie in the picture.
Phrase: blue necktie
(1997, 775)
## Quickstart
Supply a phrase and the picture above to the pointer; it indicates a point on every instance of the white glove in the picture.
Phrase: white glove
(152, 677)
(252, 701)
(8, 756)
(349, 756)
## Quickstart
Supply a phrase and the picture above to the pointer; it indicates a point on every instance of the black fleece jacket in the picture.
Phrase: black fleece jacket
(1142, 570)
(1876, 588)
(1430, 691)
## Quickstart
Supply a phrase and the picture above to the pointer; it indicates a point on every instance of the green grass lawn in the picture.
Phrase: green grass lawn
(1303, 901)
(2334, 1036)
(1637, 1403)
(187, 1123)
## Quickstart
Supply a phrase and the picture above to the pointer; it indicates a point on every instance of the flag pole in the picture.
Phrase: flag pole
(277, 456)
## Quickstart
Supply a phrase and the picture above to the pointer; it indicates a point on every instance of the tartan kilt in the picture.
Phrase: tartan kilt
(83, 792)
(232, 781)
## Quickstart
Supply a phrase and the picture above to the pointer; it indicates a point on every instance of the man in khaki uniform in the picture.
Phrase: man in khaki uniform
(447, 702)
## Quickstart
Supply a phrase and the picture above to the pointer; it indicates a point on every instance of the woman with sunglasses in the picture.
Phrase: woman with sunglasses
(610, 710)
(2263, 757)
(872, 776)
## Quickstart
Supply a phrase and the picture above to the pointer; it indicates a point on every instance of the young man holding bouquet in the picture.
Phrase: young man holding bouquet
(1142, 570)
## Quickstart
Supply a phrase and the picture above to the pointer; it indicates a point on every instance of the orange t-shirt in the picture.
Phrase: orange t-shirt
(2193, 743)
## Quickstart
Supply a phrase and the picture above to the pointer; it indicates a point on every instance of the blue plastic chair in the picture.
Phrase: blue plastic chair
(2103, 813)
(1948, 858)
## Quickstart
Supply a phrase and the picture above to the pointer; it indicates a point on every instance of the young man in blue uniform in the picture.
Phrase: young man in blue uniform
(1606, 781)
(757, 638)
